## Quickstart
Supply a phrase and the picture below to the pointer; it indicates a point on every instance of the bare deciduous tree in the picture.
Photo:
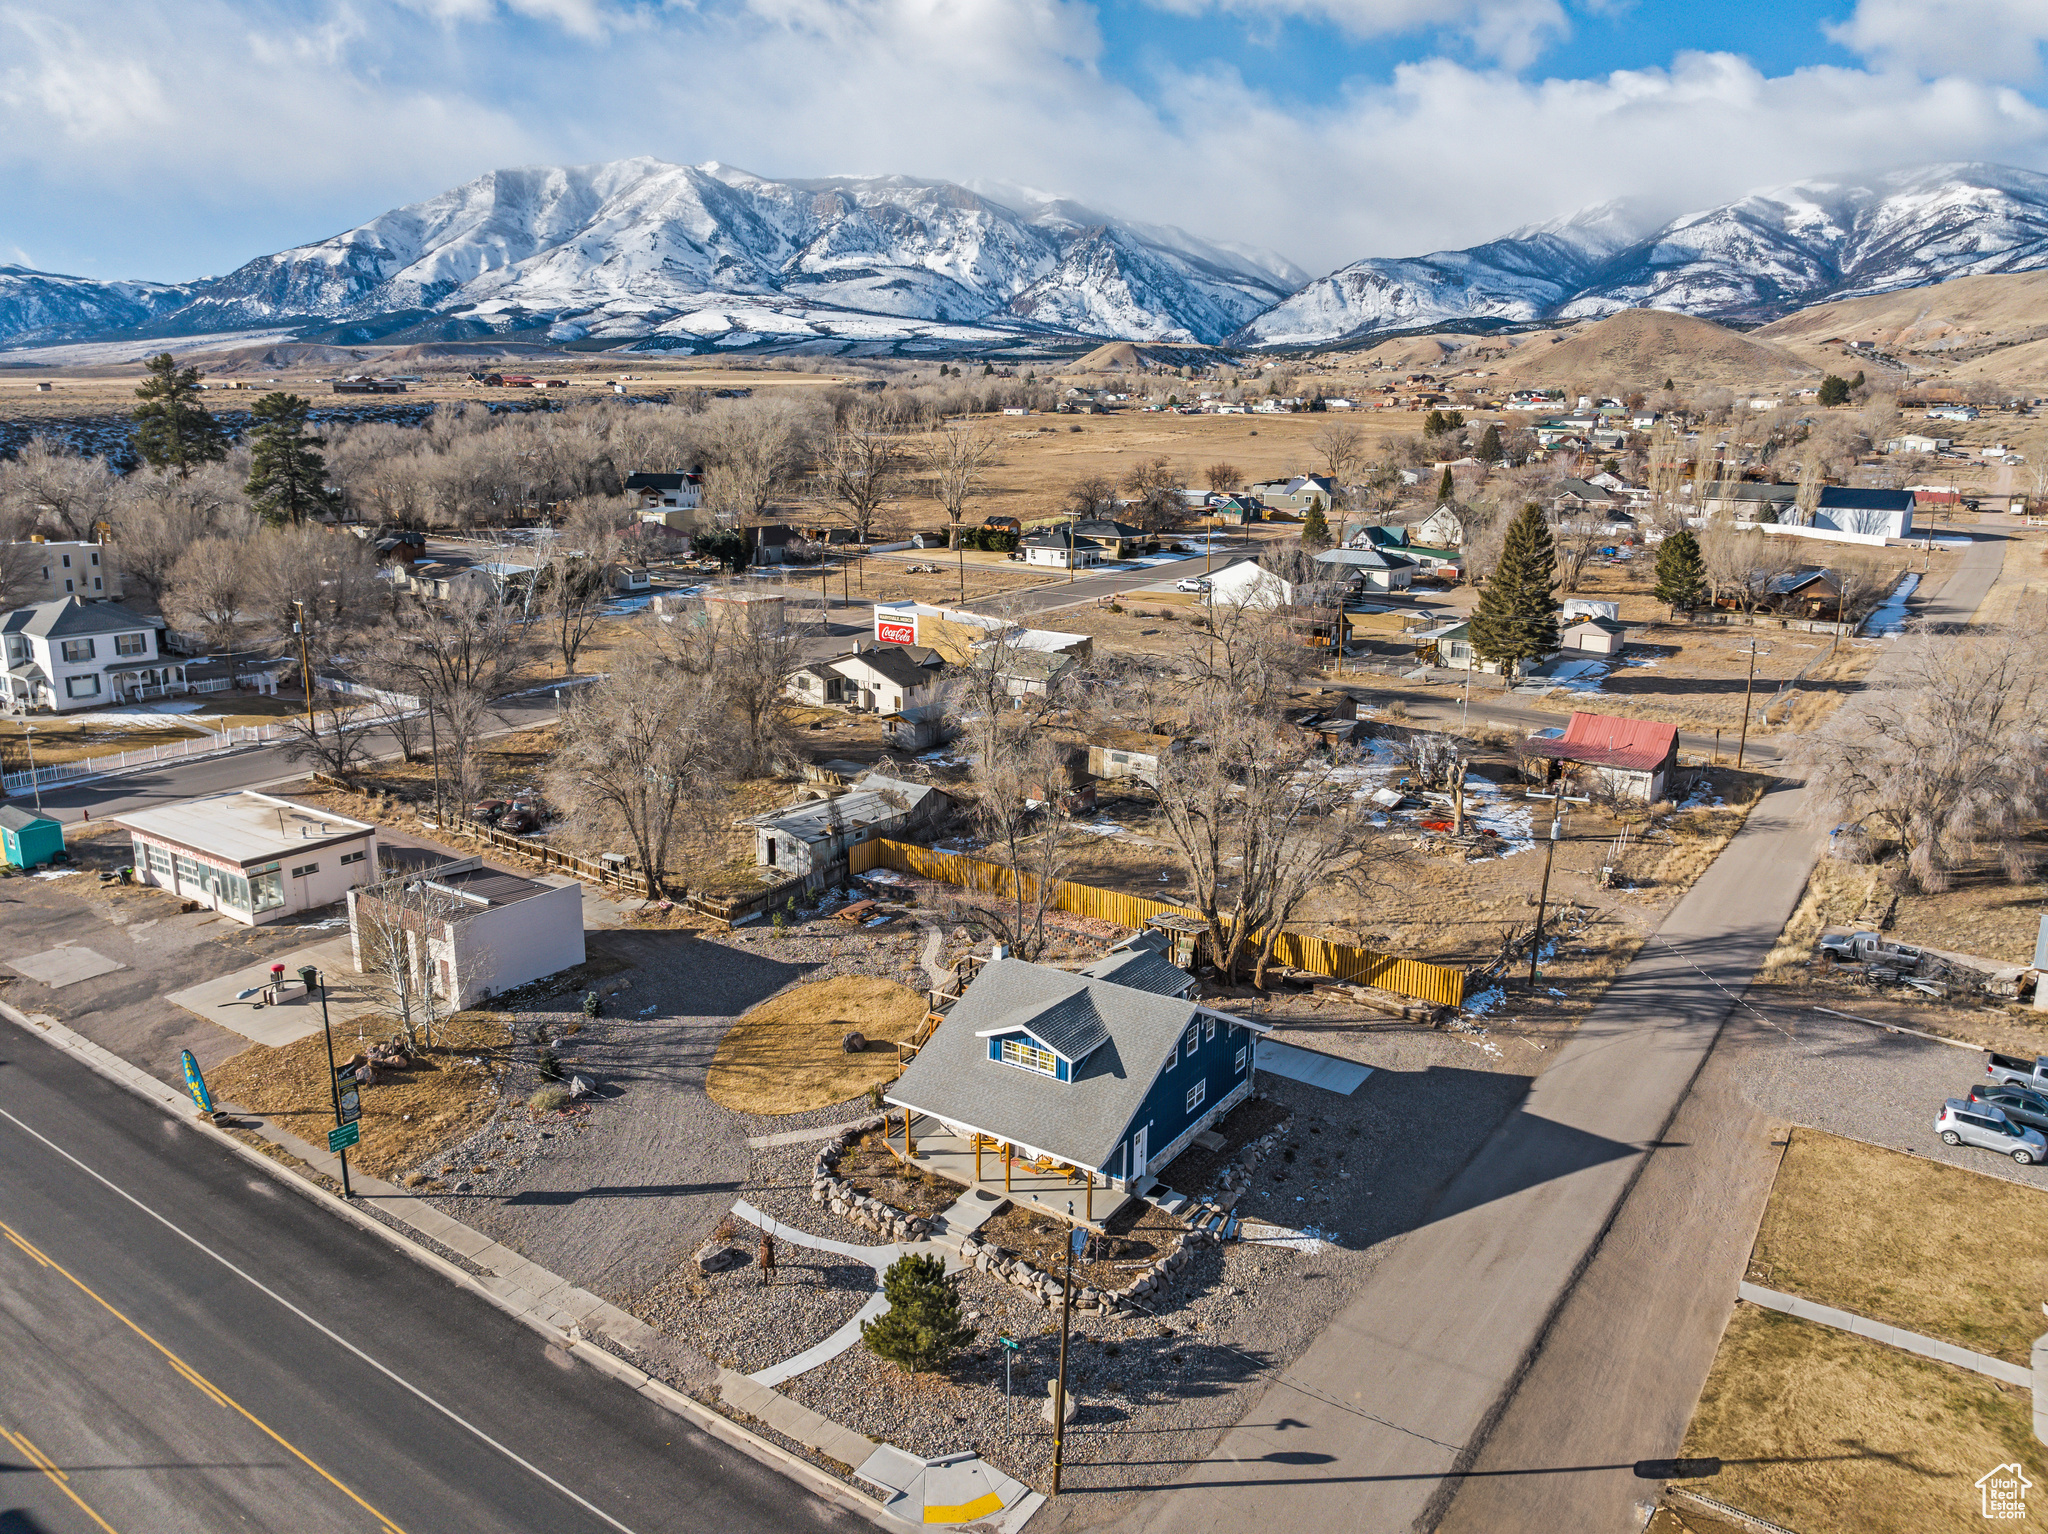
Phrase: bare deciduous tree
(637, 752)
(860, 470)
(1945, 757)
(1222, 476)
(396, 923)
(208, 587)
(1340, 446)
(334, 736)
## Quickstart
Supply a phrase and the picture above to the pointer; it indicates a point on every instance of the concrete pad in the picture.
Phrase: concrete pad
(297, 1015)
(59, 967)
(890, 1468)
(1317, 1070)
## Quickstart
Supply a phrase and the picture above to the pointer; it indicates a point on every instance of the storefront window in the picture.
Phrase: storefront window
(267, 886)
(235, 892)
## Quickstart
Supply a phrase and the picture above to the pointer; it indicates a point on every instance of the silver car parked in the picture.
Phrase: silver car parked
(1966, 1123)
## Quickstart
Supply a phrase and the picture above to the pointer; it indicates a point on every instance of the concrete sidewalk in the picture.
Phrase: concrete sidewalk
(296, 1015)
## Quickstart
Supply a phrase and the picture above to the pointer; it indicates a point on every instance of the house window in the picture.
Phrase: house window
(352, 857)
(67, 585)
(95, 583)
(81, 686)
(95, 559)
(1194, 1038)
(1208, 1028)
(77, 649)
(1240, 1062)
(1030, 1057)
(1196, 1093)
(67, 561)
(305, 868)
(130, 644)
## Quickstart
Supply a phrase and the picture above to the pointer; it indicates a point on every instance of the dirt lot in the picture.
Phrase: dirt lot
(788, 1055)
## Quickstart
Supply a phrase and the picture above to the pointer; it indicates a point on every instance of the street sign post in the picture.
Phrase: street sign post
(345, 1133)
(1009, 1346)
(339, 1140)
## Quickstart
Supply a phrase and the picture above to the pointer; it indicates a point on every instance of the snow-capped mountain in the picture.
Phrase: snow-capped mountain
(690, 254)
(42, 306)
(1764, 256)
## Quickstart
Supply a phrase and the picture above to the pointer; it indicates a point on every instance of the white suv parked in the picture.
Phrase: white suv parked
(1964, 1123)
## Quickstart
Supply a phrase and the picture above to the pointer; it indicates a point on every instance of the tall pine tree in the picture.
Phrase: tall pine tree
(1445, 487)
(1516, 619)
(1490, 450)
(287, 475)
(1681, 573)
(172, 429)
(1315, 529)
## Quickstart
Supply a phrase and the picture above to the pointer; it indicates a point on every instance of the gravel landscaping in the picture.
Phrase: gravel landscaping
(736, 1321)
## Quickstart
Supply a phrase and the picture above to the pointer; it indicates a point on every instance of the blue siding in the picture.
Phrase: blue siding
(1165, 1113)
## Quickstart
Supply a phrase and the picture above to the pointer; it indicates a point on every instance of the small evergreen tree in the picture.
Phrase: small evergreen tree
(1834, 390)
(172, 429)
(1433, 424)
(1681, 572)
(1490, 450)
(287, 475)
(1315, 530)
(1857, 381)
(1668, 389)
(1445, 487)
(1516, 619)
(921, 1328)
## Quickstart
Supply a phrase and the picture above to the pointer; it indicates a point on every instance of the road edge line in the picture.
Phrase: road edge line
(104, 1062)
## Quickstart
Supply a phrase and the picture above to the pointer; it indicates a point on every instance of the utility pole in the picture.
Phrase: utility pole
(1743, 743)
(1549, 850)
(28, 739)
(305, 668)
(1072, 522)
(1059, 1385)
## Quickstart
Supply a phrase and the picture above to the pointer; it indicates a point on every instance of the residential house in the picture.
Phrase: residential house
(1633, 757)
(1236, 508)
(1812, 593)
(1119, 540)
(49, 572)
(1442, 528)
(1593, 636)
(1372, 569)
(1872, 513)
(1952, 413)
(1062, 549)
(1450, 646)
(73, 654)
(809, 840)
(250, 857)
(1247, 583)
(479, 933)
(1577, 496)
(1747, 501)
(1024, 673)
(902, 683)
(1913, 442)
(1298, 493)
(1104, 1081)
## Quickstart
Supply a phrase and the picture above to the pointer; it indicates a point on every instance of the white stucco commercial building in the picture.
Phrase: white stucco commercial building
(476, 931)
(250, 857)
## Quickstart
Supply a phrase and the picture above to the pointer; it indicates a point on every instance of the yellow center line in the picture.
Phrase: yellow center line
(195, 1378)
(48, 1466)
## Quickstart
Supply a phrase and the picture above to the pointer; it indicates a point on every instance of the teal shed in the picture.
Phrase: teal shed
(27, 838)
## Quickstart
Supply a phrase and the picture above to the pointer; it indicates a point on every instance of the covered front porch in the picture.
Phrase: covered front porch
(1029, 1177)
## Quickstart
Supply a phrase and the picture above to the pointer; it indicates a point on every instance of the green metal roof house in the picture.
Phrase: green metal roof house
(28, 838)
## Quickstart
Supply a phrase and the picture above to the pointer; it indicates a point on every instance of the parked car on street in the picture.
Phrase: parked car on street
(2026, 1073)
(1967, 1123)
(2017, 1103)
(1193, 583)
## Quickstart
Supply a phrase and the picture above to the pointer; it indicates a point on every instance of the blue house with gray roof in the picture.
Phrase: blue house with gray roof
(1109, 1072)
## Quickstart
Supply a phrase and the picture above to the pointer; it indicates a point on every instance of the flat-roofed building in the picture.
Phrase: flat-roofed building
(251, 857)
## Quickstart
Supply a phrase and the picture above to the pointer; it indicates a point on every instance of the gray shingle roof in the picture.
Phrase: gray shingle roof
(1142, 970)
(72, 618)
(1081, 1120)
(893, 663)
(16, 819)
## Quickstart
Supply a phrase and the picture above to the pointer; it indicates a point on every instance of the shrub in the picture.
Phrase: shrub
(549, 1100)
(550, 1066)
(922, 1327)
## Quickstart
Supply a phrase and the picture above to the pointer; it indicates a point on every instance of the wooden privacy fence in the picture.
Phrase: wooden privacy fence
(1439, 983)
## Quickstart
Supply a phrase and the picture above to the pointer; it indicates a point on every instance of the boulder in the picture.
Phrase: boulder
(854, 1042)
(716, 1257)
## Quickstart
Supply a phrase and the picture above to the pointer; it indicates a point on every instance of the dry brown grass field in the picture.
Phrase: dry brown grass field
(787, 1054)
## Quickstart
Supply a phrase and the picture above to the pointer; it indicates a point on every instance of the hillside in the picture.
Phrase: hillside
(1958, 317)
(1642, 347)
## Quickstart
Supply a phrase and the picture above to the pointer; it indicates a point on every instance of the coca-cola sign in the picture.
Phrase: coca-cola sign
(896, 628)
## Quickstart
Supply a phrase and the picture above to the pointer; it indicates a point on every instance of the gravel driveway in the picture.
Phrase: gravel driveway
(1854, 1080)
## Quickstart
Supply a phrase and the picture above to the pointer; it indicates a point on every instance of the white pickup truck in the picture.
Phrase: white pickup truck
(1868, 948)
(2026, 1073)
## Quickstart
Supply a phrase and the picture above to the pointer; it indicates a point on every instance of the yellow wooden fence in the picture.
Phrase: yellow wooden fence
(1438, 983)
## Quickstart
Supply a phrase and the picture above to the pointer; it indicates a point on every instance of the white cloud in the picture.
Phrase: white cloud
(1512, 32)
(192, 125)
(1986, 39)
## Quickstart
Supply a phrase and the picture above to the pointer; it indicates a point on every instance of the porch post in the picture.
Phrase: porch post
(1009, 1153)
(977, 1158)
(1090, 1176)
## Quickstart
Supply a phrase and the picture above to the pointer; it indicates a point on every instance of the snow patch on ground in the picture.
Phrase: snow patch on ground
(1891, 617)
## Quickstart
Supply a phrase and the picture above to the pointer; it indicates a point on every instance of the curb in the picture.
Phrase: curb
(106, 1063)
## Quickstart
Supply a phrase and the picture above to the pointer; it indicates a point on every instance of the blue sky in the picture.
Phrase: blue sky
(172, 142)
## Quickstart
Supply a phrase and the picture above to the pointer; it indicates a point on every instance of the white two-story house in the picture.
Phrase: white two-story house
(72, 654)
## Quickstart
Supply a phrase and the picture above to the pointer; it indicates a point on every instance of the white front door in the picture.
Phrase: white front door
(1138, 1156)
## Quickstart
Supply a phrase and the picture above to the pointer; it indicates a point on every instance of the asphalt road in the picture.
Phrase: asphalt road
(186, 1345)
